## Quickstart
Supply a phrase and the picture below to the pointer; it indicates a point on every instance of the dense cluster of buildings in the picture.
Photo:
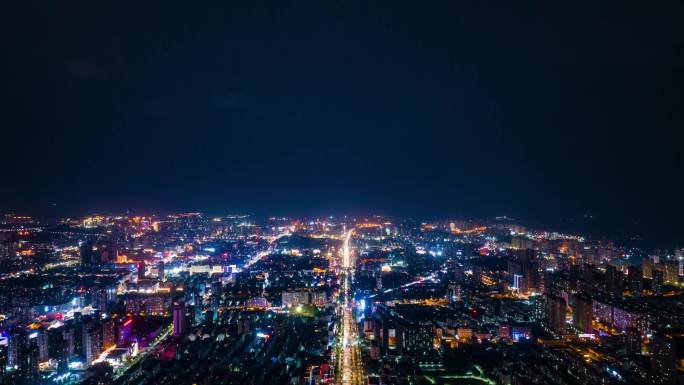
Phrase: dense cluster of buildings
(611, 314)
(195, 299)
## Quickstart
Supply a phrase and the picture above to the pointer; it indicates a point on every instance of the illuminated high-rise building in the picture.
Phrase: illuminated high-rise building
(109, 335)
(58, 346)
(8, 247)
(555, 313)
(614, 284)
(582, 313)
(161, 273)
(141, 270)
(635, 280)
(88, 253)
(454, 293)
(647, 267)
(588, 281)
(179, 319)
(670, 270)
(663, 359)
(4, 350)
(23, 354)
(92, 341)
(633, 341)
(538, 307)
(504, 331)
(106, 251)
(523, 271)
(658, 282)
(125, 331)
(521, 243)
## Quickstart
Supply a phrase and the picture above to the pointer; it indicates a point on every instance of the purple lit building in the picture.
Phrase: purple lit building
(179, 319)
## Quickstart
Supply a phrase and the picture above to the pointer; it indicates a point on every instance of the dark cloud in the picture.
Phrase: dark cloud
(81, 68)
(543, 110)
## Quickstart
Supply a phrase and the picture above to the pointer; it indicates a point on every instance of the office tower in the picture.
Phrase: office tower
(125, 331)
(8, 246)
(468, 293)
(555, 313)
(29, 359)
(504, 331)
(588, 281)
(658, 282)
(88, 253)
(109, 335)
(633, 341)
(523, 271)
(68, 334)
(179, 319)
(636, 281)
(42, 340)
(58, 347)
(614, 279)
(582, 314)
(454, 294)
(647, 267)
(575, 278)
(106, 251)
(243, 325)
(663, 359)
(23, 353)
(551, 285)
(538, 307)
(99, 299)
(414, 337)
(141, 270)
(515, 274)
(670, 269)
(4, 351)
(294, 298)
(161, 272)
(79, 349)
(319, 297)
(198, 309)
(521, 243)
(92, 341)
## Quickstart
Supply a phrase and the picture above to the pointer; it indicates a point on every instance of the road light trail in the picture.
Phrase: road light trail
(430, 277)
(258, 256)
(349, 363)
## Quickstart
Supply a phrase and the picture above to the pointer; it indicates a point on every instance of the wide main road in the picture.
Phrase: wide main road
(349, 362)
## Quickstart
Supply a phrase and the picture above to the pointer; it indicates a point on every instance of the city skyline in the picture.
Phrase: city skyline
(342, 193)
(191, 298)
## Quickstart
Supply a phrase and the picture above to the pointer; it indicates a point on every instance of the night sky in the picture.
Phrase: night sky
(535, 109)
